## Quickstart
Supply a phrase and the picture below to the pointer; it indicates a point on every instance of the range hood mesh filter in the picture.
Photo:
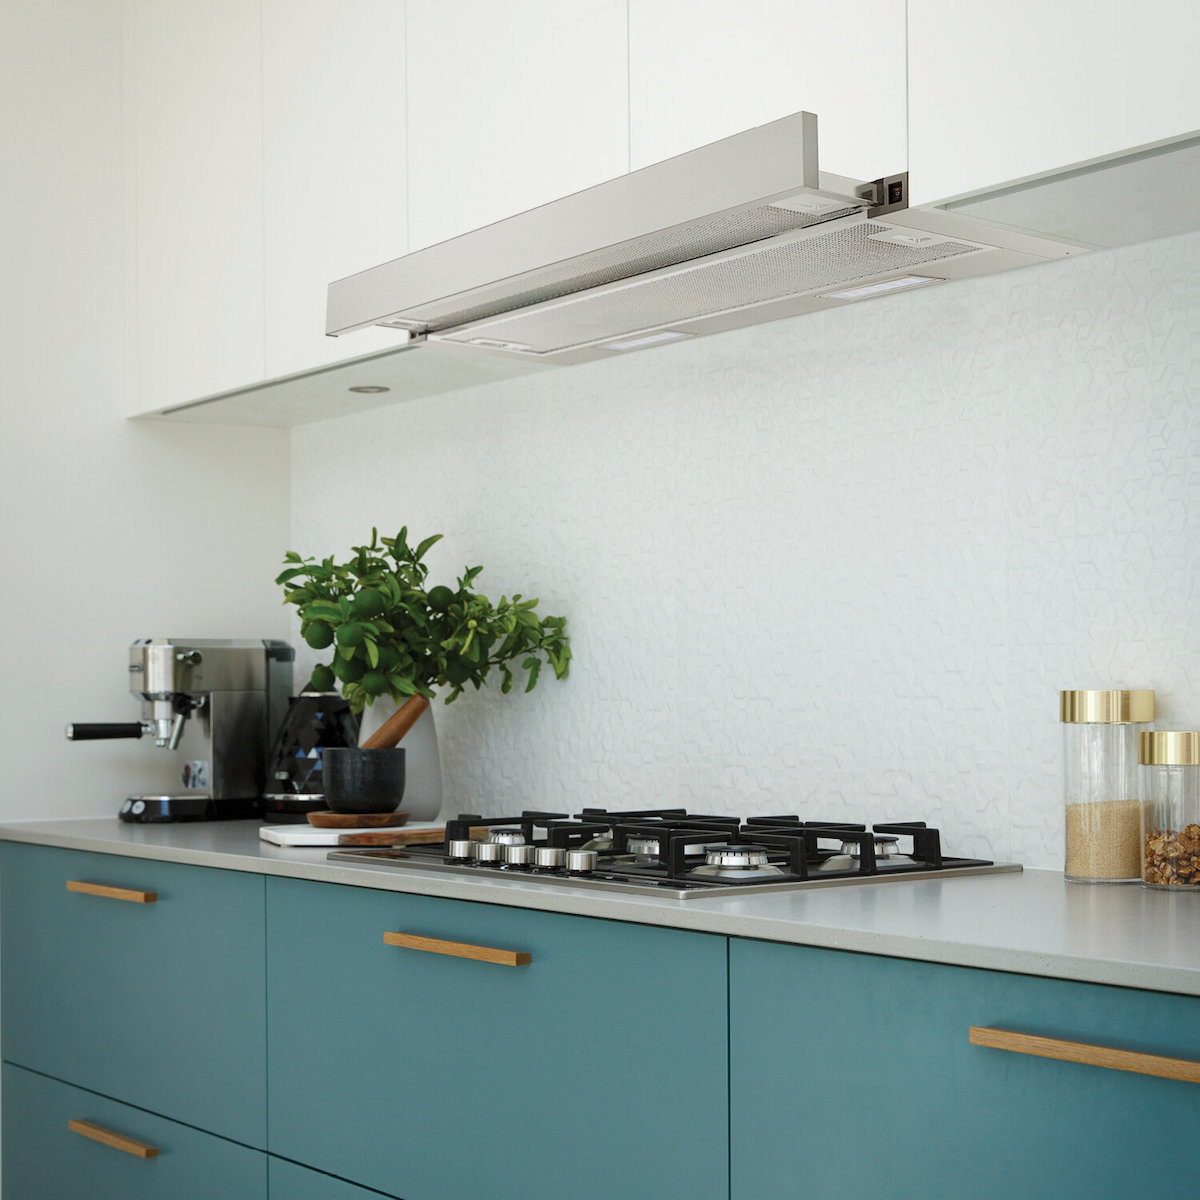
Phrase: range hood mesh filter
(663, 248)
(769, 271)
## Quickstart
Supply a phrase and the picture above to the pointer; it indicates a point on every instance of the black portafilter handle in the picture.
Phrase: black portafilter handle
(78, 732)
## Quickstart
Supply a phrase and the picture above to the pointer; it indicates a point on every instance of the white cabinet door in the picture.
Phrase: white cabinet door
(708, 69)
(1000, 91)
(194, 166)
(510, 106)
(333, 166)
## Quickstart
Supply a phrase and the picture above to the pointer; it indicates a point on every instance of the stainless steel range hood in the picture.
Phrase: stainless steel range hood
(744, 230)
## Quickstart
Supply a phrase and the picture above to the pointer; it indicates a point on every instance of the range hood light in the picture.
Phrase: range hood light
(370, 389)
(497, 344)
(651, 339)
(903, 283)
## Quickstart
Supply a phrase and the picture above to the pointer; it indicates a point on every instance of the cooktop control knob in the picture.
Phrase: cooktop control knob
(519, 856)
(489, 852)
(460, 849)
(582, 861)
(551, 858)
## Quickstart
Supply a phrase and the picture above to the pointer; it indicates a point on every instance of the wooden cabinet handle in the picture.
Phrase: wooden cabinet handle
(506, 958)
(113, 893)
(1081, 1052)
(118, 1141)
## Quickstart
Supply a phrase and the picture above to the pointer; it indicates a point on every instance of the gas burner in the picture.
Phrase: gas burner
(741, 863)
(643, 847)
(506, 836)
(672, 854)
(849, 858)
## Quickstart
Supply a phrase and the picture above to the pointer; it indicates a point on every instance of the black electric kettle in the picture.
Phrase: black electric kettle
(314, 722)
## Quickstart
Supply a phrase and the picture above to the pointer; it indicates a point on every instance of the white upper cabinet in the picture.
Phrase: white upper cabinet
(333, 166)
(708, 69)
(1002, 91)
(194, 170)
(510, 106)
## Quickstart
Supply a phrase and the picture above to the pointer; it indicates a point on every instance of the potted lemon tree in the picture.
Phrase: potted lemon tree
(389, 634)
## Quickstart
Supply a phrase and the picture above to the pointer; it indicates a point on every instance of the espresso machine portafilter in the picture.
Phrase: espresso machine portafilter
(218, 702)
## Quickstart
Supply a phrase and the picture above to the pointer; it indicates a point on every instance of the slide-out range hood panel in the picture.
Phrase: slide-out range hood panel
(743, 230)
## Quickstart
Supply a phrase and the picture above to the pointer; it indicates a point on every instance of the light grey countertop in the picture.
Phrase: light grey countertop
(1031, 922)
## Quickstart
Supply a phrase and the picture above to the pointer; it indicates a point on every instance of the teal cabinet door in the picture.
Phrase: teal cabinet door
(158, 1004)
(61, 1143)
(853, 1076)
(595, 1071)
(287, 1181)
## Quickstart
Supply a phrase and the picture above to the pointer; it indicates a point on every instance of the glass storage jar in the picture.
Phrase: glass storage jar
(1171, 812)
(1100, 783)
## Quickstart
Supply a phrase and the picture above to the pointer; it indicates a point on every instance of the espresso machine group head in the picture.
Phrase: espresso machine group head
(216, 701)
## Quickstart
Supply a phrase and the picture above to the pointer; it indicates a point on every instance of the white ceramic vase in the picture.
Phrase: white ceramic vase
(423, 773)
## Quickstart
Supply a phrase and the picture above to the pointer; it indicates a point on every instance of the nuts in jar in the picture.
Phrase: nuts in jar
(1170, 766)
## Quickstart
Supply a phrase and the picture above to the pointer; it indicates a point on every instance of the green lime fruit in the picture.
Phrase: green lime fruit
(369, 603)
(348, 670)
(374, 683)
(350, 634)
(322, 678)
(389, 656)
(440, 598)
(319, 635)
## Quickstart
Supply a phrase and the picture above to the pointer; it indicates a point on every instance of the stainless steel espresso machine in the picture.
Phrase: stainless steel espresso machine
(218, 702)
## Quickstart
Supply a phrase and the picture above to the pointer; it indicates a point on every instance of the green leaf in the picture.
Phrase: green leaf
(284, 576)
(429, 541)
(534, 671)
(372, 652)
(321, 610)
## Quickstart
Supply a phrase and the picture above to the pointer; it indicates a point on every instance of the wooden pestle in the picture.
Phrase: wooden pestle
(397, 725)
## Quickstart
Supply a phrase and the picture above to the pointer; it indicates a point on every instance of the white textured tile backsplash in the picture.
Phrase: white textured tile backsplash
(838, 565)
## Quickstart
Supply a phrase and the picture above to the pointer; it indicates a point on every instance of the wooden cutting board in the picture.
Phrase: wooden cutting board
(325, 819)
(401, 837)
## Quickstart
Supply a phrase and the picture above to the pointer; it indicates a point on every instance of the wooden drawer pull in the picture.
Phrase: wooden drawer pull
(113, 893)
(1081, 1052)
(118, 1141)
(506, 958)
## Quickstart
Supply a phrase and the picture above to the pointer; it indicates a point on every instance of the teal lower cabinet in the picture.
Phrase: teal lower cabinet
(138, 979)
(443, 1050)
(854, 1076)
(287, 1181)
(62, 1143)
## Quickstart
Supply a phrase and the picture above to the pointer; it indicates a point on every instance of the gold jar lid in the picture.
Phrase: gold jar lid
(1169, 748)
(1107, 707)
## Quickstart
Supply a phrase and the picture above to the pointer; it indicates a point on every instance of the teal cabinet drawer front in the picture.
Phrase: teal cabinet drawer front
(854, 1076)
(158, 1004)
(437, 1077)
(287, 1181)
(45, 1159)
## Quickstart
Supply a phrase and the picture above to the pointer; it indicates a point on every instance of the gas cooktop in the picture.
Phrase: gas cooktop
(670, 852)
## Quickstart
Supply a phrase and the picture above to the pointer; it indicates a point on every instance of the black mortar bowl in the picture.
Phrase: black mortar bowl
(363, 781)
